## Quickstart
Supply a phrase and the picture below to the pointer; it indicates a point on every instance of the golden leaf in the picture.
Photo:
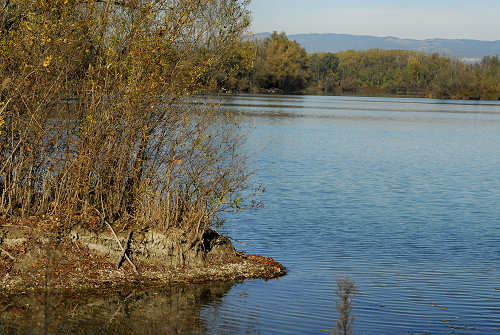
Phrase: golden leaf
(47, 61)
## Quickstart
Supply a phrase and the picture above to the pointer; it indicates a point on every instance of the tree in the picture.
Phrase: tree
(323, 68)
(282, 64)
(98, 121)
(236, 72)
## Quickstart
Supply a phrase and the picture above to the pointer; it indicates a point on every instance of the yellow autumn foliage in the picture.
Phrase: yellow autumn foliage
(2, 122)
(101, 121)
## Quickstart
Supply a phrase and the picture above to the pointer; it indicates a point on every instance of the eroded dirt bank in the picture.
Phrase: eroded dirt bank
(41, 257)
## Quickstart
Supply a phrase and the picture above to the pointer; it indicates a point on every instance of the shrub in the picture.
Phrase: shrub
(98, 123)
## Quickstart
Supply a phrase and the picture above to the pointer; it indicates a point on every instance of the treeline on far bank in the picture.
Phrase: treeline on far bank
(279, 65)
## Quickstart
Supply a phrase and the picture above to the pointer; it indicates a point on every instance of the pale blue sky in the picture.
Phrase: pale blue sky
(419, 19)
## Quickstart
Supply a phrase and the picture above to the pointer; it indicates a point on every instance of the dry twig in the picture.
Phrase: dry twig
(121, 248)
(8, 255)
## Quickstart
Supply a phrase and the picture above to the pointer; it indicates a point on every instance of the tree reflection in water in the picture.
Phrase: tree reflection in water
(170, 310)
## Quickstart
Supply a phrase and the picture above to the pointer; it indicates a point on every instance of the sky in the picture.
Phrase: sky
(417, 19)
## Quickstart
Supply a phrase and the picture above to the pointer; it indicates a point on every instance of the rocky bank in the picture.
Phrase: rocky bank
(34, 257)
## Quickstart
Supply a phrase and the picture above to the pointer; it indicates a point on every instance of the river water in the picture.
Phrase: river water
(402, 196)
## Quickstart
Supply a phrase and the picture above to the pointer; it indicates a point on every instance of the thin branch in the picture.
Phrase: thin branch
(118, 3)
(8, 255)
(237, 241)
(121, 247)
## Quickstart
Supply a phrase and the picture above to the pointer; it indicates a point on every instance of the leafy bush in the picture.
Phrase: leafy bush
(97, 120)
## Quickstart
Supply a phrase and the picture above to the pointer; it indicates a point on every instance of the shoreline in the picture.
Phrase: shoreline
(254, 268)
(34, 259)
(359, 94)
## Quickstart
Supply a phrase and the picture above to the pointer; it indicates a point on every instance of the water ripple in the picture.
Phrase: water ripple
(407, 209)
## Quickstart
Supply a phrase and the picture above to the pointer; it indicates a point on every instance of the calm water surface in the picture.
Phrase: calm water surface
(400, 195)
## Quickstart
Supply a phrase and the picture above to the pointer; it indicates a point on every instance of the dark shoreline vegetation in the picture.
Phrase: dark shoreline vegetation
(278, 65)
(107, 174)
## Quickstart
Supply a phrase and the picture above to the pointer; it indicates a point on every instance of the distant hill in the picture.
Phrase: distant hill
(469, 50)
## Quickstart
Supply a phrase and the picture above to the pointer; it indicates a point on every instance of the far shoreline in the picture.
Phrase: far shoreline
(366, 94)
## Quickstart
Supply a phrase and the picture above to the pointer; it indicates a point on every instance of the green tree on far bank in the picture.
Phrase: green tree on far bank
(281, 64)
(323, 68)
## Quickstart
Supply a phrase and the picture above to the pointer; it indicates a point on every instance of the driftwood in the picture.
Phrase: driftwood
(124, 250)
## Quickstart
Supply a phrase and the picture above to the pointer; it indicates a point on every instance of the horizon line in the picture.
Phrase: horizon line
(380, 36)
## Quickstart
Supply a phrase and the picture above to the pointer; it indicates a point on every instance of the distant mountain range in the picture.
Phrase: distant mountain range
(468, 50)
